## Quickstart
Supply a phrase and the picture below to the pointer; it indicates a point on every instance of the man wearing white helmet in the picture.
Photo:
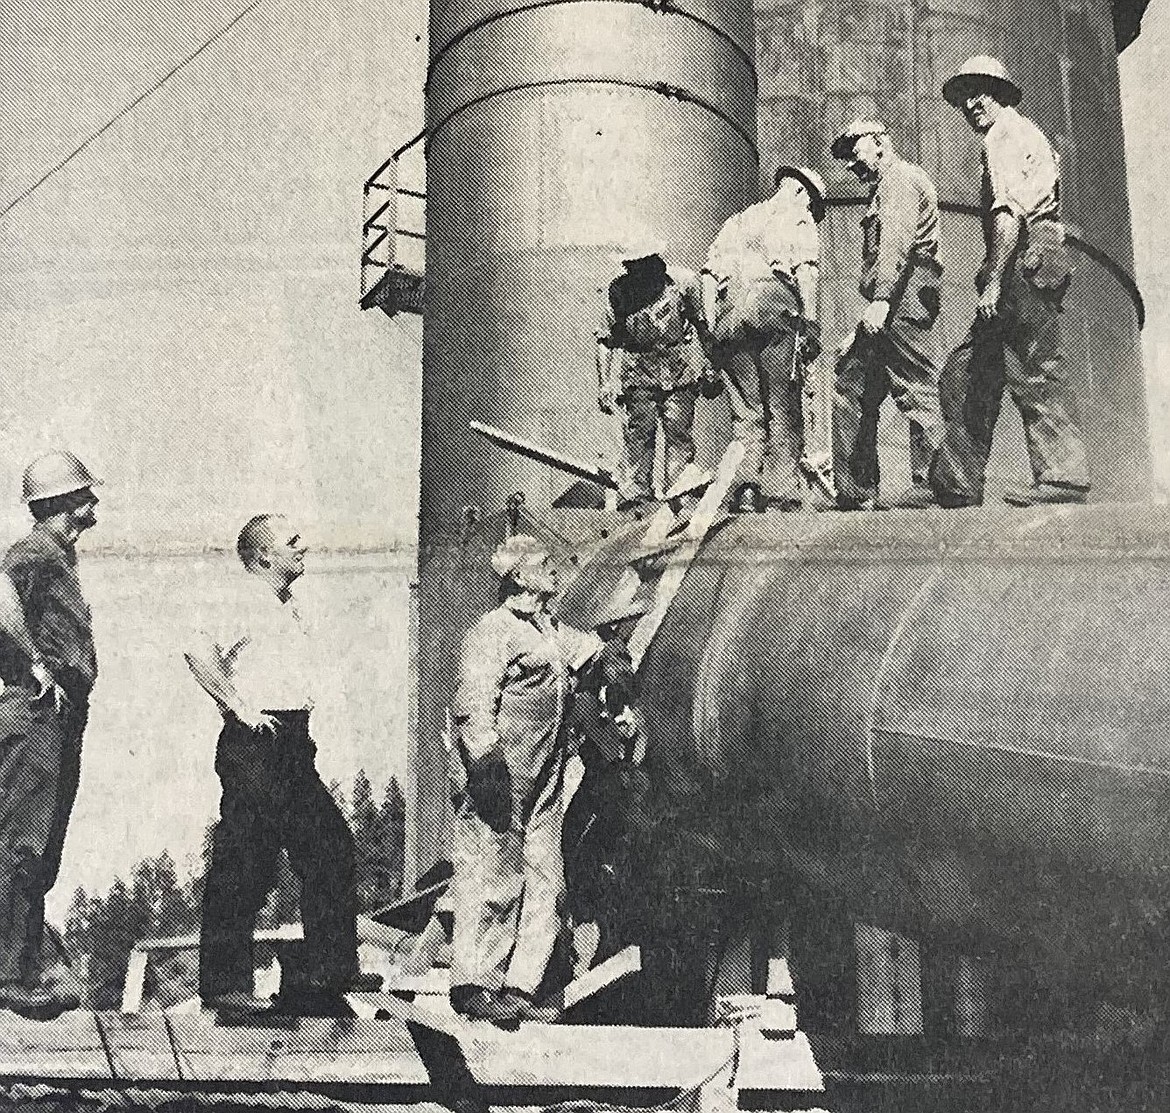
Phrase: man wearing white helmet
(649, 363)
(1021, 284)
(894, 349)
(517, 674)
(48, 665)
(760, 295)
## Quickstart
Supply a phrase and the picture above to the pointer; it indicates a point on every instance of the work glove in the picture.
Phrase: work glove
(810, 339)
(489, 784)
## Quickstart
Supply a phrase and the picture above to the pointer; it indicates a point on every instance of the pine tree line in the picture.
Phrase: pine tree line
(101, 931)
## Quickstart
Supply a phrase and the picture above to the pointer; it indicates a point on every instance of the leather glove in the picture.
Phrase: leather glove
(810, 333)
(489, 784)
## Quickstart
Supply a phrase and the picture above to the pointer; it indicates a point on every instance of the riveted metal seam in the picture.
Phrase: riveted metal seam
(665, 6)
(670, 91)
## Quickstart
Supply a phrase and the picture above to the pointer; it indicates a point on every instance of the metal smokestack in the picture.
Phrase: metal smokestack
(551, 129)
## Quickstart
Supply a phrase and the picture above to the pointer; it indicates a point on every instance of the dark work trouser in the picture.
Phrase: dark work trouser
(901, 360)
(273, 797)
(40, 765)
(645, 407)
(973, 382)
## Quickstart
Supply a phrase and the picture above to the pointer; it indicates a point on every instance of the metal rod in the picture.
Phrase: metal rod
(543, 455)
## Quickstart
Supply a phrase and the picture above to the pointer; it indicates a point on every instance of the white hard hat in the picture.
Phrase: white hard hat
(842, 146)
(981, 72)
(515, 551)
(813, 183)
(54, 474)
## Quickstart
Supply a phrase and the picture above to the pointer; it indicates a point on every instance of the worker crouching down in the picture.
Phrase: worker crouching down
(516, 677)
(649, 364)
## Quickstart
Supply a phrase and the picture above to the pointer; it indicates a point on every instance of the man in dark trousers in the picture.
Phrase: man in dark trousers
(258, 666)
(1021, 284)
(48, 666)
(894, 349)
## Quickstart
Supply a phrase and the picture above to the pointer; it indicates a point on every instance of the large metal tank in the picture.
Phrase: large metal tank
(551, 128)
(956, 724)
(823, 62)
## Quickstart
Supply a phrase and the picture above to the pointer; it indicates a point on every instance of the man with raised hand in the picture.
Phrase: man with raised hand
(259, 667)
(517, 674)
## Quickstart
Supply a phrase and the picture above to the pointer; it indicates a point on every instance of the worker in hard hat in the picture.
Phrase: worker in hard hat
(649, 364)
(1020, 285)
(48, 665)
(894, 348)
(760, 296)
(517, 674)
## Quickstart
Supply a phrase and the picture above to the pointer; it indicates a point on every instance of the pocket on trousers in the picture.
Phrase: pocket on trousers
(1047, 268)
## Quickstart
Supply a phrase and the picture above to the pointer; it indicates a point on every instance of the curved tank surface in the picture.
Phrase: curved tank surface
(956, 724)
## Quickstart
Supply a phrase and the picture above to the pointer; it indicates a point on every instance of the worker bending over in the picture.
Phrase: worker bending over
(760, 297)
(650, 365)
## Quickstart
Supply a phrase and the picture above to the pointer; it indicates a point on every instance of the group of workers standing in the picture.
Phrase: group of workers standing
(748, 323)
(257, 663)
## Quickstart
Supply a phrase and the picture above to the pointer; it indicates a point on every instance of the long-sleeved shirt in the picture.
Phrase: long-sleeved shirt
(778, 234)
(1021, 171)
(516, 676)
(44, 573)
(900, 227)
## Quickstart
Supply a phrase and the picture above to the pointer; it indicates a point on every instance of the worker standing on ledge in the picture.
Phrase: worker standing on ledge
(517, 674)
(1021, 284)
(760, 296)
(654, 316)
(258, 665)
(894, 349)
(48, 665)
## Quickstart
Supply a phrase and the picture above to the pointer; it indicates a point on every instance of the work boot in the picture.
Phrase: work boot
(1046, 494)
(917, 497)
(31, 1002)
(63, 985)
(526, 1009)
(237, 1006)
(477, 1003)
(866, 504)
(748, 499)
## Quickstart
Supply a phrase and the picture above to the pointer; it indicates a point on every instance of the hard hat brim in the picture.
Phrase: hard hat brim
(957, 89)
(815, 193)
(57, 490)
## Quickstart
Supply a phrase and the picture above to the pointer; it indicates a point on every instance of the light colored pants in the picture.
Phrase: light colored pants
(509, 895)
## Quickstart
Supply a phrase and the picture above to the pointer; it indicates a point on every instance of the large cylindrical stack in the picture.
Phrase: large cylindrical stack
(553, 128)
(823, 62)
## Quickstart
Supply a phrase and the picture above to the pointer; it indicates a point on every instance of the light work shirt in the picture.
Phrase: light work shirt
(1021, 171)
(268, 649)
(899, 228)
(778, 234)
